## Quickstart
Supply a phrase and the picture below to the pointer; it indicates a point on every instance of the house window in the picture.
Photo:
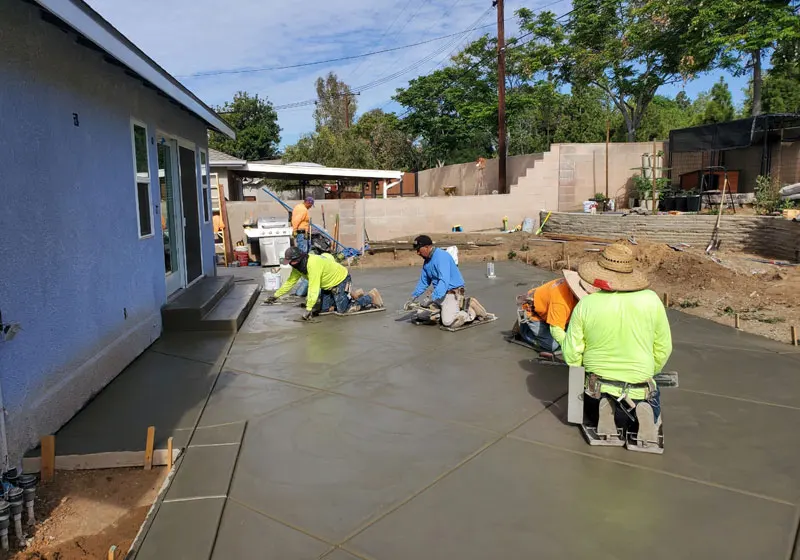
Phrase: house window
(141, 161)
(206, 189)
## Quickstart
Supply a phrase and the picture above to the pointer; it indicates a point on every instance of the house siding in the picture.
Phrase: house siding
(85, 288)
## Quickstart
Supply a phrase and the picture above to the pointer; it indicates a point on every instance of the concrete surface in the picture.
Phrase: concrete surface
(371, 438)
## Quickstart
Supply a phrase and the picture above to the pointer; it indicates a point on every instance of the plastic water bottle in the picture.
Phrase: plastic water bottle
(490, 270)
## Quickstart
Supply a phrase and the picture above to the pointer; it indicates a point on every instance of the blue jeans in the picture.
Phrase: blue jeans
(301, 242)
(538, 334)
(339, 297)
(301, 288)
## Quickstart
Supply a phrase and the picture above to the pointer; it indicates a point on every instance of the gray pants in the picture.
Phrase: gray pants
(452, 315)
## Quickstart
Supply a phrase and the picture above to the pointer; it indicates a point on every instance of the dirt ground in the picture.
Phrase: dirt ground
(81, 514)
(765, 296)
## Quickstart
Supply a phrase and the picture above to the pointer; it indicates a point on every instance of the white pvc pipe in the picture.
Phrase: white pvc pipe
(386, 187)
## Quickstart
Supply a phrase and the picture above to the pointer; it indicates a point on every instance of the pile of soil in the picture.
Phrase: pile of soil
(717, 287)
(81, 514)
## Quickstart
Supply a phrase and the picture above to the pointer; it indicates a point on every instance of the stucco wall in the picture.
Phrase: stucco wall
(772, 237)
(86, 290)
(467, 178)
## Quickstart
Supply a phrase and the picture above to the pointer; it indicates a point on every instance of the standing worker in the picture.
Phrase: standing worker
(621, 336)
(440, 271)
(328, 281)
(301, 224)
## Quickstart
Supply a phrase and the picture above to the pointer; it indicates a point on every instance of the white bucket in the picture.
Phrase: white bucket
(272, 281)
(527, 225)
(588, 205)
(453, 252)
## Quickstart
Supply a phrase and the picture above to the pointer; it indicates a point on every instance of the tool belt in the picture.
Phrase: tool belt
(300, 232)
(594, 384)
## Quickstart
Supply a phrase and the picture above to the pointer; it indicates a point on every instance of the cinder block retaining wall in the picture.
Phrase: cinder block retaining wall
(772, 237)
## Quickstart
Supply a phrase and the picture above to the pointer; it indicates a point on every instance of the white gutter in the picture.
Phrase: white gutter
(387, 187)
(344, 173)
(81, 21)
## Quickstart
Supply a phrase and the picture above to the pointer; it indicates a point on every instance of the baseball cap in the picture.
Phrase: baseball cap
(422, 241)
(310, 200)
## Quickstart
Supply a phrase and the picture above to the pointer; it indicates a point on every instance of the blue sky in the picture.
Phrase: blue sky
(191, 36)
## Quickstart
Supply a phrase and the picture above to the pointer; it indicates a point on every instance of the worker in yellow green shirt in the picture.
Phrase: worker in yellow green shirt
(620, 334)
(328, 282)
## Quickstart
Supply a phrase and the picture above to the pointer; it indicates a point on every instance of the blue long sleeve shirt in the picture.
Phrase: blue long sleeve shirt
(441, 271)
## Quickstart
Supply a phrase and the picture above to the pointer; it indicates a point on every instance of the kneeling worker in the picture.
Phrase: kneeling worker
(328, 281)
(440, 271)
(546, 311)
(621, 336)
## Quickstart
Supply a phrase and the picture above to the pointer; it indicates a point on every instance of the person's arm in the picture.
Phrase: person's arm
(662, 343)
(558, 334)
(574, 345)
(314, 283)
(422, 285)
(293, 279)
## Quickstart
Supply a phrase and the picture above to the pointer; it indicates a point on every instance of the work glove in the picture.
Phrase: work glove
(426, 301)
(271, 300)
(410, 304)
(306, 316)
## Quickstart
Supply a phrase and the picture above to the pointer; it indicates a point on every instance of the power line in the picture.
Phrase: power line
(318, 62)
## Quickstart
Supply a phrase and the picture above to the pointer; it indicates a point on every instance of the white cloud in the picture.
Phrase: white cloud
(190, 36)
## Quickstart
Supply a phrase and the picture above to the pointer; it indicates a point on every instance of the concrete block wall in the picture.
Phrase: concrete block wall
(772, 237)
(467, 178)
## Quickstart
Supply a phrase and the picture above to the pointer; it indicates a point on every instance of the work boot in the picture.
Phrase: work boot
(377, 300)
(606, 426)
(459, 321)
(648, 428)
(475, 306)
(357, 293)
(355, 308)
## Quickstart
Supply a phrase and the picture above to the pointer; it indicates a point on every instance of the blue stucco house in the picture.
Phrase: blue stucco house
(105, 212)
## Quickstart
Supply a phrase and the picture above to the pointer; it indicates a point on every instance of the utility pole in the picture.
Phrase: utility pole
(501, 98)
(347, 110)
(608, 139)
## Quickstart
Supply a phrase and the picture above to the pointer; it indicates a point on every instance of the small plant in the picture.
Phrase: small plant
(768, 198)
(524, 247)
(688, 303)
(770, 320)
(729, 311)
(512, 255)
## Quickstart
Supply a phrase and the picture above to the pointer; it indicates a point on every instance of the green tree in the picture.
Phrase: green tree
(256, 126)
(389, 147)
(626, 48)
(738, 33)
(720, 104)
(336, 104)
(781, 92)
(665, 114)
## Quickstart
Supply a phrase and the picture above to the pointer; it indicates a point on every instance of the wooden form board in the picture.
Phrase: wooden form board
(111, 460)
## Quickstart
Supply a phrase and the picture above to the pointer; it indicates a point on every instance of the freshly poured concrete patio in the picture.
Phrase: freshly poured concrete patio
(366, 437)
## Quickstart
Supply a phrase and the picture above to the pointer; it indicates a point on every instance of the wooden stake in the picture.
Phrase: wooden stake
(395, 254)
(48, 465)
(148, 450)
(527, 257)
(736, 320)
(169, 453)
(568, 267)
(112, 552)
(655, 205)
(608, 139)
(552, 267)
(666, 299)
(794, 336)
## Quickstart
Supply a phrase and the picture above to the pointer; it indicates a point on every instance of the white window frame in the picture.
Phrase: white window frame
(137, 180)
(205, 186)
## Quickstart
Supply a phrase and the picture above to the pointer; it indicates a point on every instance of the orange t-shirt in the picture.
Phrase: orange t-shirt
(553, 303)
(300, 219)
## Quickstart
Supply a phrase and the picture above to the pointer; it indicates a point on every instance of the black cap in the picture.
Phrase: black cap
(422, 241)
(293, 254)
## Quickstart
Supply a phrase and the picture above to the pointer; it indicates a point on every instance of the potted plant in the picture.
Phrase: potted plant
(643, 188)
(692, 201)
(666, 200)
(680, 201)
(601, 201)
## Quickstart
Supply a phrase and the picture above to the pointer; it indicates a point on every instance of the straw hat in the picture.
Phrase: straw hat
(614, 271)
(580, 289)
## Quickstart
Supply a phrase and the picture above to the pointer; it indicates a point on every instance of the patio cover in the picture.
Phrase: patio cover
(736, 134)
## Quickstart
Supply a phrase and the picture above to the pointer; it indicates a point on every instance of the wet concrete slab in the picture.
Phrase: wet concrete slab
(339, 555)
(183, 530)
(204, 472)
(201, 346)
(329, 464)
(158, 390)
(244, 533)
(706, 438)
(519, 500)
(241, 396)
(479, 391)
(219, 435)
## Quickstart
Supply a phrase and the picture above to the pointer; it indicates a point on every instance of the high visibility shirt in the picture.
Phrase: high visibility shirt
(323, 274)
(300, 218)
(553, 303)
(440, 270)
(619, 336)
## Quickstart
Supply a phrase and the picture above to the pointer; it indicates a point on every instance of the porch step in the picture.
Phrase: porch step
(213, 304)
(232, 310)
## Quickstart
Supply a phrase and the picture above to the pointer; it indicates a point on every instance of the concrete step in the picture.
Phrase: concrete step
(231, 311)
(195, 302)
